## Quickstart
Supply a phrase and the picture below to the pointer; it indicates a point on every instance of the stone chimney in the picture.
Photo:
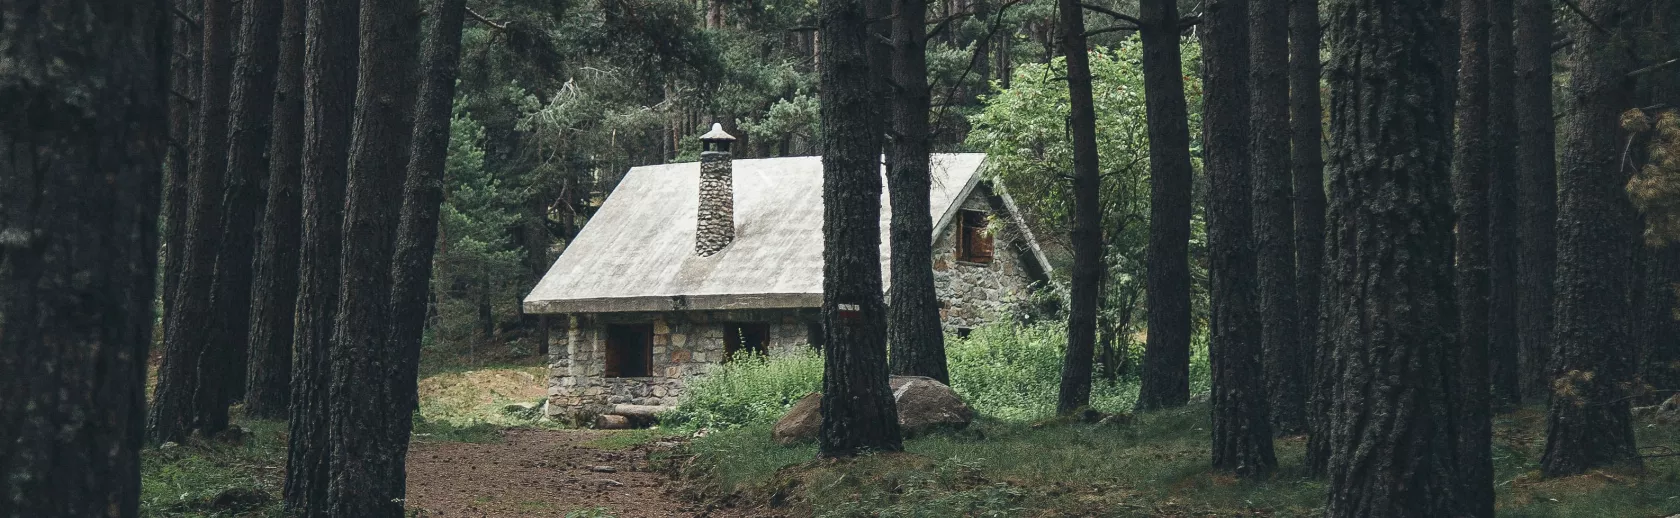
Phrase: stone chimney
(717, 193)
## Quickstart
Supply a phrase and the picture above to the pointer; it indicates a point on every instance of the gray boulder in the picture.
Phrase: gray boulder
(924, 404)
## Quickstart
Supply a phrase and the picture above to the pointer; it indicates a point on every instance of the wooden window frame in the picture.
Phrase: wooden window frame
(975, 245)
(734, 340)
(613, 366)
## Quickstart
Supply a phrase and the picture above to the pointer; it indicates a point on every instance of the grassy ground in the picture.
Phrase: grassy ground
(1156, 466)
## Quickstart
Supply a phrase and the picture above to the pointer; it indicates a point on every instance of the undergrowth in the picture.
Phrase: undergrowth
(216, 478)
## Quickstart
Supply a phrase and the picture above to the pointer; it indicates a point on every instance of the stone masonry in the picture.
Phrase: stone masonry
(717, 204)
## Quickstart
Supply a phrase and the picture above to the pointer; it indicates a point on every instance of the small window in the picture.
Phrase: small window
(963, 332)
(974, 243)
(814, 334)
(629, 351)
(745, 338)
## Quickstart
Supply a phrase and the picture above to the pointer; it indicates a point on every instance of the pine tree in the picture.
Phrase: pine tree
(913, 328)
(1306, 129)
(1075, 389)
(1503, 215)
(1166, 358)
(1285, 355)
(1470, 203)
(86, 133)
(275, 286)
(1536, 194)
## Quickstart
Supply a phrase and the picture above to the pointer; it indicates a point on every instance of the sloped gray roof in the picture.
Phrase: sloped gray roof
(637, 252)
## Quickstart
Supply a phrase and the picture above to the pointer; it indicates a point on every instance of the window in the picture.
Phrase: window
(974, 243)
(745, 338)
(963, 332)
(814, 334)
(629, 351)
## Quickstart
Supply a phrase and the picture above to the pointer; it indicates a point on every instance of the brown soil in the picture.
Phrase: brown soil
(546, 473)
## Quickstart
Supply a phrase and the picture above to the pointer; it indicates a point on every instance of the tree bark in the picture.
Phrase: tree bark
(275, 285)
(1589, 423)
(1388, 306)
(913, 329)
(1242, 433)
(1470, 204)
(185, 68)
(1075, 390)
(1503, 216)
(1306, 131)
(1536, 194)
(84, 136)
(190, 392)
(1285, 355)
(368, 445)
(422, 200)
(1659, 361)
(858, 414)
(250, 128)
(1166, 353)
(329, 91)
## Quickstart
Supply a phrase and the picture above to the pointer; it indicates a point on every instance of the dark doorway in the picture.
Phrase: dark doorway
(629, 351)
(745, 338)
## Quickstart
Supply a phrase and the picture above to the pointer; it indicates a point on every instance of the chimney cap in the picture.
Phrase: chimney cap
(717, 135)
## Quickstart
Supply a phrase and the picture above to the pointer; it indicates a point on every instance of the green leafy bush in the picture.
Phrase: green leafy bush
(1013, 372)
(749, 389)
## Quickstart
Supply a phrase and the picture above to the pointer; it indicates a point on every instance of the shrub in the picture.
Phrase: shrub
(749, 389)
(1013, 372)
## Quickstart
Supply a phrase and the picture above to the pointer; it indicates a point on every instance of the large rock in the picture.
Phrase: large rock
(924, 404)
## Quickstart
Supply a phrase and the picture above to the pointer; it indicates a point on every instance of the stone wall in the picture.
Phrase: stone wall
(973, 294)
(685, 344)
(716, 213)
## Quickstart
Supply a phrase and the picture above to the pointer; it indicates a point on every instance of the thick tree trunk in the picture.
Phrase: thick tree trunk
(1388, 307)
(185, 69)
(274, 288)
(1536, 195)
(1659, 361)
(1242, 432)
(913, 329)
(1503, 217)
(417, 234)
(368, 445)
(1285, 355)
(253, 107)
(1470, 203)
(1075, 390)
(1306, 131)
(1589, 424)
(858, 413)
(84, 138)
(329, 93)
(1166, 352)
(190, 389)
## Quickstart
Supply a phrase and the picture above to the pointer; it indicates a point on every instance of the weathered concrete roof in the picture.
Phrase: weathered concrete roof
(637, 252)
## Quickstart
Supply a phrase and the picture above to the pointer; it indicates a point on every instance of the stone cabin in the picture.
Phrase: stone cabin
(685, 265)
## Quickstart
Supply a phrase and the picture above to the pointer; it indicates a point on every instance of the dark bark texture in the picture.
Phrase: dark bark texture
(1306, 131)
(1470, 203)
(1166, 356)
(252, 104)
(185, 67)
(1075, 390)
(274, 285)
(84, 133)
(369, 429)
(1284, 353)
(1388, 306)
(1503, 216)
(858, 414)
(1589, 423)
(1659, 361)
(329, 92)
(191, 393)
(913, 329)
(1242, 434)
(1536, 194)
(422, 201)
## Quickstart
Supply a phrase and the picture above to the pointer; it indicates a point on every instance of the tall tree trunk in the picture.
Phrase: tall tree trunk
(1502, 209)
(1470, 203)
(275, 285)
(1075, 390)
(84, 137)
(1589, 423)
(858, 413)
(190, 394)
(368, 444)
(417, 235)
(1536, 194)
(913, 329)
(1166, 352)
(1285, 355)
(1659, 362)
(329, 93)
(1306, 132)
(1388, 307)
(185, 68)
(1242, 431)
(253, 107)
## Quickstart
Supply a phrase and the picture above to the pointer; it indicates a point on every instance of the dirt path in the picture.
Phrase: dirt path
(546, 473)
